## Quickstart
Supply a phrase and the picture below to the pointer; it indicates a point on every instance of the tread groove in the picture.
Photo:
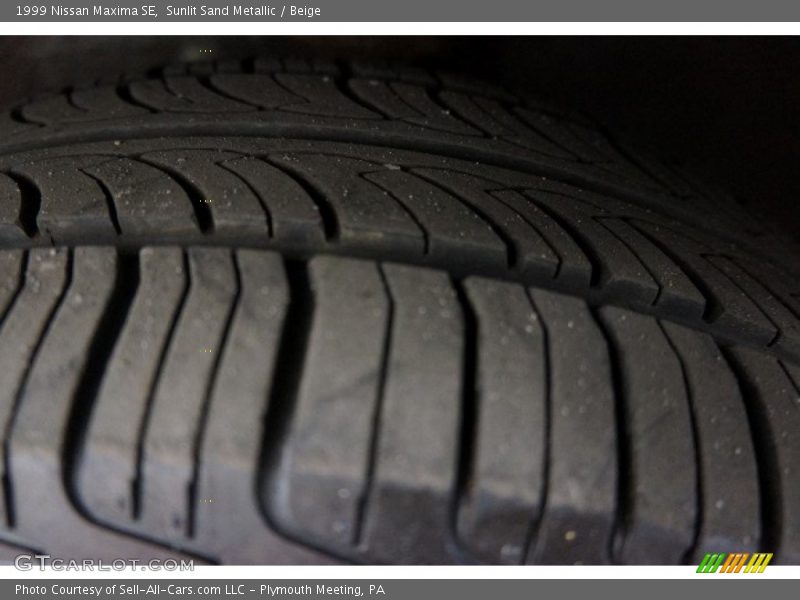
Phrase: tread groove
(267, 214)
(696, 435)
(363, 507)
(202, 213)
(625, 483)
(559, 260)
(137, 483)
(547, 321)
(792, 379)
(508, 241)
(191, 521)
(632, 250)
(765, 454)
(8, 484)
(341, 80)
(713, 305)
(411, 215)
(469, 405)
(432, 146)
(124, 93)
(292, 350)
(102, 345)
(209, 85)
(17, 116)
(597, 272)
(747, 295)
(21, 277)
(8, 496)
(112, 209)
(330, 222)
(30, 204)
(532, 535)
(760, 280)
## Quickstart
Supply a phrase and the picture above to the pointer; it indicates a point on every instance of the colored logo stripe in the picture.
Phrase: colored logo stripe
(758, 563)
(734, 563)
(710, 563)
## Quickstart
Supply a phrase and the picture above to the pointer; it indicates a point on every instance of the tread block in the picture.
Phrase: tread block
(261, 90)
(483, 89)
(231, 447)
(581, 500)
(324, 466)
(39, 423)
(294, 217)
(108, 472)
(45, 513)
(176, 413)
(793, 371)
(451, 226)
(730, 512)
(417, 442)
(12, 263)
(235, 209)
(490, 116)
(621, 273)
(660, 502)
(776, 423)
(365, 214)
(773, 308)
(730, 307)
(183, 94)
(506, 479)
(589, 145)
(322, 97)
(11, 126)
(105, 101)
(147, 200)
(80, 106)
(23, 327)
(299, 65)
(677, 294)
(379, 69)
(533, 254)
(574, 268)
(10, 207)
(410, 103)
(430, 112)
(73, 205)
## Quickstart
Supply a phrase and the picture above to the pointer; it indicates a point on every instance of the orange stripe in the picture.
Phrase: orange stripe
(741, 562)
(727, 563)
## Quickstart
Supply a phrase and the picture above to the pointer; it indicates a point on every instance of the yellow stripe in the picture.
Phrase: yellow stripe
(750, 566)
(758, 562)
(766, 562)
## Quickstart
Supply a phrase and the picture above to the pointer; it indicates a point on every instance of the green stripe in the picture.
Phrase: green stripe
(702, 565)
(720, 560)
(711, 562)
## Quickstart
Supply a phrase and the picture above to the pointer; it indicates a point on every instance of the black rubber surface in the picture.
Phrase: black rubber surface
(293, 312)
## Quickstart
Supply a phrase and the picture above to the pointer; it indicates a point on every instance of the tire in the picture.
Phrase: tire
(306, 312)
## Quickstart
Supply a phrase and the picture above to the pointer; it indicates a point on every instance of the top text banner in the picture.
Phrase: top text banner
(405, 10)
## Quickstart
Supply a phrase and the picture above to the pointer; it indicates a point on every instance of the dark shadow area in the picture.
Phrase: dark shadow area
(725, 108)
